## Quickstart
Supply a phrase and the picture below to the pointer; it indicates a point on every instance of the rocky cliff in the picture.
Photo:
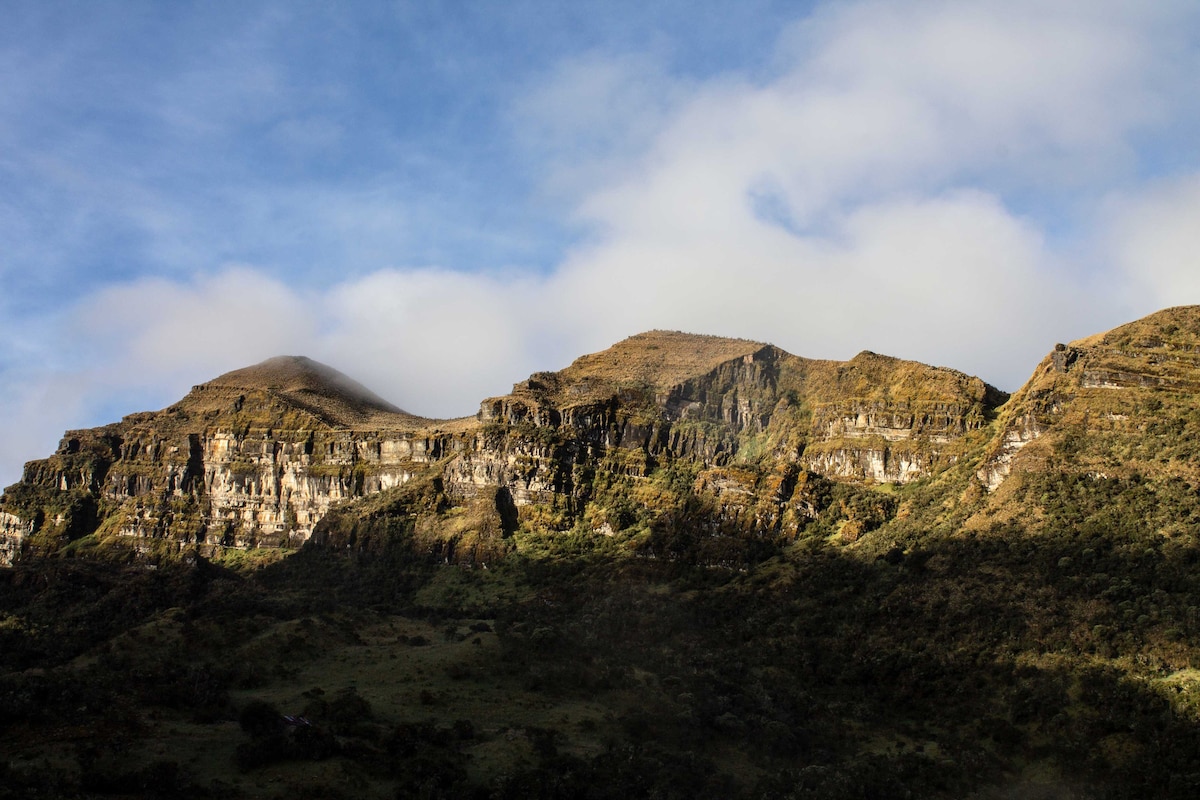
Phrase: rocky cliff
(257, 457)
(751, 418)
(253, 458)
(661, 429)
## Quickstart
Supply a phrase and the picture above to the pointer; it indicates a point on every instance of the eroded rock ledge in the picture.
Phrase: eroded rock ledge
(256, 458)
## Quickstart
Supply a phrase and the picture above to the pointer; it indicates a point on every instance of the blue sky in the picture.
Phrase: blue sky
(439, 198)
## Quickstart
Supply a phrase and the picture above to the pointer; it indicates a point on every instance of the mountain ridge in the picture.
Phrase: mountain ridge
(257, 456)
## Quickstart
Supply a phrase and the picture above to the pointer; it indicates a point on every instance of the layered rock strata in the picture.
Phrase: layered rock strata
(254, 458)
(257, 457)
(743, 405)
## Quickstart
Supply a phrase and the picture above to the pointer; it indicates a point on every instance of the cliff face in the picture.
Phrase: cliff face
(752, 427)
(251, 487)
(253, 459)
(892, 421)
(258, 457)
(553, 426)
(13, 533)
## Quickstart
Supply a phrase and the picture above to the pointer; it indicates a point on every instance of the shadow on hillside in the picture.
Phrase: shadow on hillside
(1003, 665)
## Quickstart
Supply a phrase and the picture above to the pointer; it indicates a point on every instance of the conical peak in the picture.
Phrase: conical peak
(314, 386)
(298, 374)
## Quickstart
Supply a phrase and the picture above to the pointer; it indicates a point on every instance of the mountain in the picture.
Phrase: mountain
(682, 567)
(257, 457)
(252, 458)
(304, 385)
(1112, 404)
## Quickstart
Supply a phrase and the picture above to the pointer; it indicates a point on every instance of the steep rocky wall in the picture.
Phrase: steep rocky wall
(888, 442)
(534, 448)
(260, 456)
(224, 488)
(13, 533)
(765, 408)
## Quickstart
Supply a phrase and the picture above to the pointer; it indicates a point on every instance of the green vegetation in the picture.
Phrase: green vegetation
(664, 598)
(678, 657)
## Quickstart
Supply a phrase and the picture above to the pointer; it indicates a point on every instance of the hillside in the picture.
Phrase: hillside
(1116, 403)
(745, 574)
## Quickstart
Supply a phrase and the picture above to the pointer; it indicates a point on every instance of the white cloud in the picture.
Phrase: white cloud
(434, 342)
(163, 331)
(835, 198)
(37, 407)
(1153, 239)
(954, 279)
(884, 97)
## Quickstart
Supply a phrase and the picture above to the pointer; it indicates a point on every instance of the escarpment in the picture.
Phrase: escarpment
(661, 432)
(757, 433)
(254, 458)
(258, 457)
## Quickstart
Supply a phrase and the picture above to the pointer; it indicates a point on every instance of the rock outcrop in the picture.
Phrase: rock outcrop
(752, 417)
(13, 533)
(254, 458)
(257, 457)
(1111, 404)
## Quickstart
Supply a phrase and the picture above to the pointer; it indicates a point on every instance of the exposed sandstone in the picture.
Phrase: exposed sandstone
(251, 459)
(257, 457)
